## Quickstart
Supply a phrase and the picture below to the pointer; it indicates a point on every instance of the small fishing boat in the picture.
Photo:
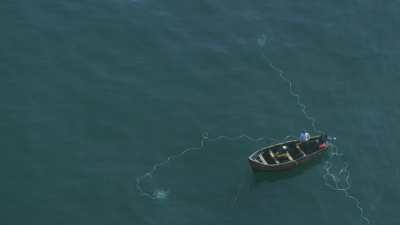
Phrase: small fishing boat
(287, 155)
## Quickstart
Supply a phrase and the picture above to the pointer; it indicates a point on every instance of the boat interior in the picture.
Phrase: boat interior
(289, 151)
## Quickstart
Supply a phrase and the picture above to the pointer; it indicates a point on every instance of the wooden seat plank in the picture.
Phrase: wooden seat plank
(262, 159)
(299, 148)
(289, 156)
(273, 157)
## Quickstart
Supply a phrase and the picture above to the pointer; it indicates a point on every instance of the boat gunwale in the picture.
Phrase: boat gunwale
(252, 157)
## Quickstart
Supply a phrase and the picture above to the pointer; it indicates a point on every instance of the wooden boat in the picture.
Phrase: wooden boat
(287, 155)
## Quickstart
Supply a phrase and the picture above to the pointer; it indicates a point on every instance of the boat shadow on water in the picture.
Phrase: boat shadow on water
(274, 176)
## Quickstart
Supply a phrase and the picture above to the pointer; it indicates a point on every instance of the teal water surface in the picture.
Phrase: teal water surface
(144, 112)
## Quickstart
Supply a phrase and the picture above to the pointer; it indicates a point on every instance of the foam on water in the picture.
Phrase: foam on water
(160, 194)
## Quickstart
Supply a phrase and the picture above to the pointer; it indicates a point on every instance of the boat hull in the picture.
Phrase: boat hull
(312, 152)
(284, 166)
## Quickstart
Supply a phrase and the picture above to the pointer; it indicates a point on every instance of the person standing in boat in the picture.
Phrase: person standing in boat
(304, 136)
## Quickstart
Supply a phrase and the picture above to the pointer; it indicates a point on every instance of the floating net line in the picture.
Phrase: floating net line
(160, 193)
(335, 180)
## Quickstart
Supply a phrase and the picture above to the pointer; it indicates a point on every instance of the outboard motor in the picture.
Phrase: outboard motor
(323, 142)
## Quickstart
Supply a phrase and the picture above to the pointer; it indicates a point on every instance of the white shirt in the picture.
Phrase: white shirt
(304, 136)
